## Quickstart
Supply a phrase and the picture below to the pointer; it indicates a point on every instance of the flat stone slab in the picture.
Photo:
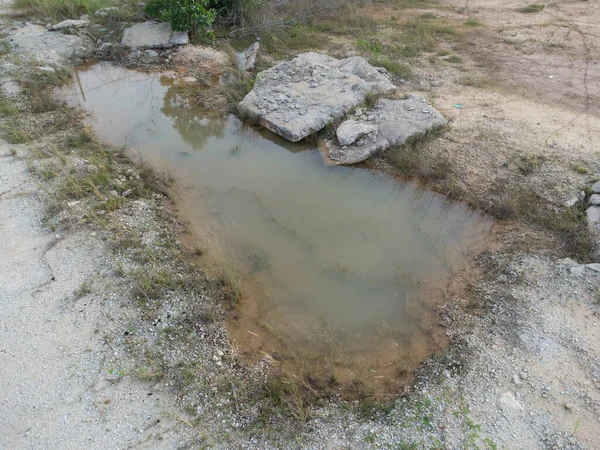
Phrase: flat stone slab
(392, 123)
(153, 35)
(46, 47)
(298, 98)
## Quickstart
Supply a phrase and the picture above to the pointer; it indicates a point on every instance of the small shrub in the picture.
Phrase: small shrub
(580, 170)
(530, 163)
(533, 8)
(195, 16)
(472, 23)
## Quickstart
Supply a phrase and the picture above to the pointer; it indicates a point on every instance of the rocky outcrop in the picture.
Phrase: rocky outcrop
(298, 98)
(46, 47)
(153, 35)
(389, 123)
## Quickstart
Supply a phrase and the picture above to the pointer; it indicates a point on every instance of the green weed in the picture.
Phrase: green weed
(532, 8)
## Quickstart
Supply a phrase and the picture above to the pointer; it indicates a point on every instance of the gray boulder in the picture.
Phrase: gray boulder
(298, 98)
(153, 35)
(596, 187)
(393, 122)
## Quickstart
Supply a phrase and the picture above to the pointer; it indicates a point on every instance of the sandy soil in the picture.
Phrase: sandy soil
(58, 383)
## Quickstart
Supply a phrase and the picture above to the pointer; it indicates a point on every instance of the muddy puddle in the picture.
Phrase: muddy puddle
(342, 266)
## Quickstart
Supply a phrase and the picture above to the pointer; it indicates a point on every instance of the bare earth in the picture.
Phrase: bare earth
(523, 371)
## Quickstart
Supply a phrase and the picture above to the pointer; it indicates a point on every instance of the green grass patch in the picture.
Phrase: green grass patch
(473, 23)
(454, 59)
(472, 80)
(420, 36)
(14, 131)
(532, 8)
(8, 109)
(61, 9)
(298, 38)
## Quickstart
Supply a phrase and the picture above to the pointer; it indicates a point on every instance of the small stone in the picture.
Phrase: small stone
(151, 53)
(508, 400)
(596, 187)
(435, 83)
(216, 358)
(593, 216)
(127, 193)
(106, 11)
(575, 199)
(516, 379)
(351, 130)
(523, 375)
(47, 69)
(92, 169)
(250, 54)
(67, 24)
(595, 199)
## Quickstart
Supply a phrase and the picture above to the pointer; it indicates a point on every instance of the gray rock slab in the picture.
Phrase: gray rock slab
(46, 47)
(153, 35)
(67, 24)
(298, 98)
(394, 121)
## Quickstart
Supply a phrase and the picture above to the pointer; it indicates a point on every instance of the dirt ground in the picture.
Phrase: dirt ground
(77, 357)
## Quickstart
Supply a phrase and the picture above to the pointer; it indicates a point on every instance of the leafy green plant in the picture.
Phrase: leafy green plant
(195, 16)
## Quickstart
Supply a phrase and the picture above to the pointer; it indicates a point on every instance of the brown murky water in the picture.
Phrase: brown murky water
(341, 265)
